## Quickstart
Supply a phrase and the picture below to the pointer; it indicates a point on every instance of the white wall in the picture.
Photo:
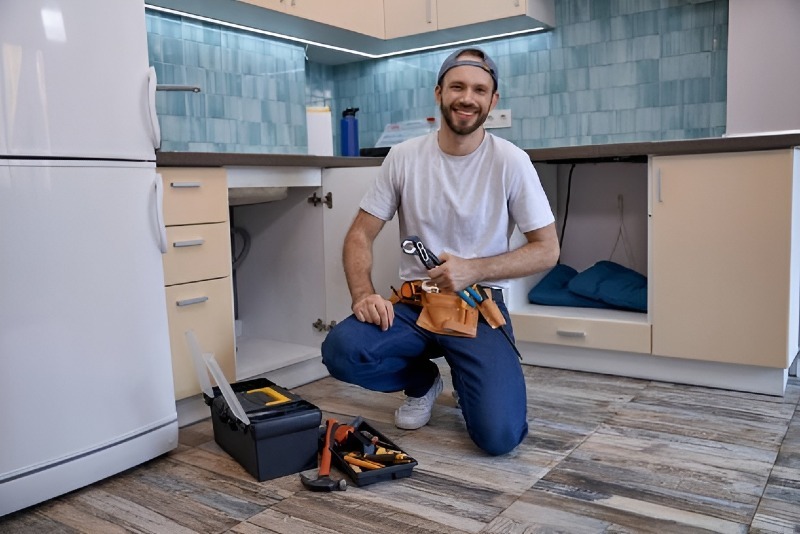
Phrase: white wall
(763, 66)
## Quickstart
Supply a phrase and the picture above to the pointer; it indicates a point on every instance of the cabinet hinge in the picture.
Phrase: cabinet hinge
(328, 200)
(319, 326)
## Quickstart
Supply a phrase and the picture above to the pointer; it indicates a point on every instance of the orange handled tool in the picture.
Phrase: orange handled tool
(324, 482)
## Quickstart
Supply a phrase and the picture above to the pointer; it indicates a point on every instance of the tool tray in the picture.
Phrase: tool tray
(280, 439)
(359, 443)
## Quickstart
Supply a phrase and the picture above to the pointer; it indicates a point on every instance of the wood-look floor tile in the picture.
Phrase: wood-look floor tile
(128, 514)
(274, 522)
(571, 511)
(678, 475)
(197, 433)
(779, 509)
(564, 407)
(33, 521)
(604, 454)
(393, 507)
(70, 512)
(724, 416)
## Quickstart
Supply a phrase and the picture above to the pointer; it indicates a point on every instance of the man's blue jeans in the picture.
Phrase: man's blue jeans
(486, 371)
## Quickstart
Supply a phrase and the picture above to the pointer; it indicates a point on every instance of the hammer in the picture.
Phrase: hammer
(324, 482)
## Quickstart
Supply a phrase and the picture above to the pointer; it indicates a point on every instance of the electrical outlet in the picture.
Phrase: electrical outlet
(498, 118)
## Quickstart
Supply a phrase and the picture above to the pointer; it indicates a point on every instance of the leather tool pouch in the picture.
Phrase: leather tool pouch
(491, 312)
(447, 313)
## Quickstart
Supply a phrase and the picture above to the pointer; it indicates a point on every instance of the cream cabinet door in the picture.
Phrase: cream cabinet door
(409, 17)
(207, 308)
(453, 13)
(347, 186)
(275, 5)
(723, 255)
(361, 16)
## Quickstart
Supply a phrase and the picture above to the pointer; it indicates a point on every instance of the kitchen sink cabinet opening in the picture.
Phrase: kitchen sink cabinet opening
(278, 287)
(601, 214)
(291, 289)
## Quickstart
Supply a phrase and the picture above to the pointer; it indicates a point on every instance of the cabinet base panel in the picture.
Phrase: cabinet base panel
(299, 374)
(748, 378)
(256, 356)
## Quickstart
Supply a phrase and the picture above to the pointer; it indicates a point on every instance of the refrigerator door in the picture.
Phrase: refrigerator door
(86, 381)
(74, 80)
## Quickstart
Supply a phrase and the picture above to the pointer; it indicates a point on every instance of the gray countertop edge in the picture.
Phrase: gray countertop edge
(581, 153)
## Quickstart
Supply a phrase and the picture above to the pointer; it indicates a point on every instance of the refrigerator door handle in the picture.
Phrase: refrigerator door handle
(162, 228)
(152, 84)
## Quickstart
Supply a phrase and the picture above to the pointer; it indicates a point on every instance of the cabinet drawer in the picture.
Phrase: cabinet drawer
(207, 308)
(194, 196)
(197, 252)
(590, 333)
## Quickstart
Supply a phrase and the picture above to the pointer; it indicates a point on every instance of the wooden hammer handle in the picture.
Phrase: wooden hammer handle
(325, 456)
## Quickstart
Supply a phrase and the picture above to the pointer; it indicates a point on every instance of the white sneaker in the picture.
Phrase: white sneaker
(416, 411)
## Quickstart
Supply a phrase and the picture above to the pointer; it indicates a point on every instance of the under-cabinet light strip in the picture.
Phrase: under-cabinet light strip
(333, 47)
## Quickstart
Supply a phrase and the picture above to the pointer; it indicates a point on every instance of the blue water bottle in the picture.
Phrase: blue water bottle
(349, 132)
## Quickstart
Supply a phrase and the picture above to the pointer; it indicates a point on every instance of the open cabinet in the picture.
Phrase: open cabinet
(601, 214)
(291, 289)
(717, 236)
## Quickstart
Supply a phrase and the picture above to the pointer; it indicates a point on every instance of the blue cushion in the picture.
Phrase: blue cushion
(552, 290)
(612, 283)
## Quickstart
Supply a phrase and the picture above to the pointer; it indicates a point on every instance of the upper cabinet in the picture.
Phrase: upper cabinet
(388, 26)
(413, 17)
(361, 16)
(455, 13)
(409, 17)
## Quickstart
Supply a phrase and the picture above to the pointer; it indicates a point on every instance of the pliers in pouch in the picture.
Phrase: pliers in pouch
(473, 295)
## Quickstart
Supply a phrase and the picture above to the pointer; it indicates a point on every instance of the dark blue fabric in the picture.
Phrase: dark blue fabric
(486, 371)
(553, 290)
(613, 284)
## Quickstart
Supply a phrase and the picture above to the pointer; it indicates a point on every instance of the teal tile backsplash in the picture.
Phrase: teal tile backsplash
(252, 95)
(612, 71)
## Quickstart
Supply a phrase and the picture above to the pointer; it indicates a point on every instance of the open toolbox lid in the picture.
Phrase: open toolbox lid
(206, 360)
(251, 400)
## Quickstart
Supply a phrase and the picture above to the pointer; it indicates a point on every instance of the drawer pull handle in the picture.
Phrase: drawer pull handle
(570, 333)
(184, 184)
(189, 302)
(189, 243)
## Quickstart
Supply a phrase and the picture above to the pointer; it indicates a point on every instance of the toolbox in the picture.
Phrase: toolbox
(360, 442)
(270, 431)
(279, 440)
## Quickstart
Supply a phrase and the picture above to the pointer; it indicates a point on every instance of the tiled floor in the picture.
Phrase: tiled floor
(604, 454)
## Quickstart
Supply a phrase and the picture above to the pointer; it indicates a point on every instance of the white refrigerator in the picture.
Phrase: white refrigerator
(85, 370)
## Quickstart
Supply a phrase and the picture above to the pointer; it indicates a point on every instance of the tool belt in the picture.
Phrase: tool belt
(445, 312)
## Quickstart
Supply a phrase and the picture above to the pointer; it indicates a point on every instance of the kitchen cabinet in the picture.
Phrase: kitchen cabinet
(291, 287)
(725, 262)
(723, 268)
(197, 271)
(409, 17)
(454, 13)
(361, 16)
(413, 17)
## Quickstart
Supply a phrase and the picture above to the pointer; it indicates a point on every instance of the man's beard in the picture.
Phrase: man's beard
(447, 116)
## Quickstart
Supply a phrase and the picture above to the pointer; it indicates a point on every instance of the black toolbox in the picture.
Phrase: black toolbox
(359, 442)
(281, 437)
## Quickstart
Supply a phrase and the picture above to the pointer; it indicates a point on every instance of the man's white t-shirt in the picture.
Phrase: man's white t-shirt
(464, 205)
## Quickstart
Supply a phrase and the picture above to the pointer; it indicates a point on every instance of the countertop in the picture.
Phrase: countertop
(583, 153)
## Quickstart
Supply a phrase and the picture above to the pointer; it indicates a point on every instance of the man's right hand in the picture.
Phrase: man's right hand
(374, 309)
